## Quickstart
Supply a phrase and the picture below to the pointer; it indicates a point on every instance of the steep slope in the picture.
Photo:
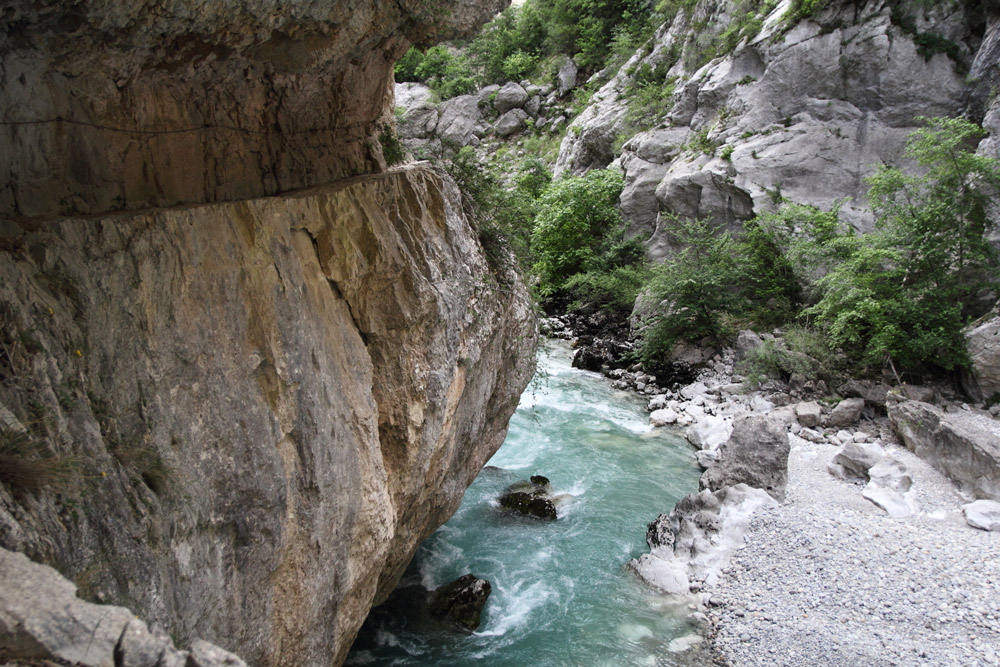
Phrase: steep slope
(800, 109)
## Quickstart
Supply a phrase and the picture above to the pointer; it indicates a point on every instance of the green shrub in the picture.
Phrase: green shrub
(574, 216)
(406, 67)
(801, 351)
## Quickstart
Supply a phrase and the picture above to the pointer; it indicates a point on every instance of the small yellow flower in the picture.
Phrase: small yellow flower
(79, 353)
(50, 312)
(104, 474)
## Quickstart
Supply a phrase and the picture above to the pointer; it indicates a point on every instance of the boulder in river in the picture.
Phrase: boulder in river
(530, 499)
(461, 602)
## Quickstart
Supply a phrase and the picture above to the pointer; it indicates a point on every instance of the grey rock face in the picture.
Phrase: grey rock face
(756, 454)
(808, 413)
(459, 118)
(983, 343)
(205, 101)
(511, 122)
(964, 446)
(42, 619)
(284, 396)
(566, 77)
(511, 96)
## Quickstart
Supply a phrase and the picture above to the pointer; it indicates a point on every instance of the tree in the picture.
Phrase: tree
(904, 292)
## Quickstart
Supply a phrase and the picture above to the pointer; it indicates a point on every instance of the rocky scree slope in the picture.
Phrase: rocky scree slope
(238, 418)
(802, 111)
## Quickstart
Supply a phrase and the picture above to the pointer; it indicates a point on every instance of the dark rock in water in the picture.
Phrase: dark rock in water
(756, 454)
(660, 533)
(589, 359)
(529, 504)
(460, 603)
(530, 498)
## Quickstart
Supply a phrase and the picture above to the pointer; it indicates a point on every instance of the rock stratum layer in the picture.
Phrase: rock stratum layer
(113, 105)
(243, 417)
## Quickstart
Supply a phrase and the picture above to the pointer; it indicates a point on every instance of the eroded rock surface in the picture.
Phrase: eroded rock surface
(114, 105)
(267, 404)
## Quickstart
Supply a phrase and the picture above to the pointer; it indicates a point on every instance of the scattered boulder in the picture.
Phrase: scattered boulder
(709, 432)
(511, 96)
(533, 106)
(809, 413)
(981, 514)
(566, 77)
(756, 454)
(965, 446)
(41, 619)
(460, 603)
(747, 341)
(459, 118)
(873, 393)
(530, 499)
(847, 412)
(895, 504)
(513, 121)
(854, 459)
(983, 343)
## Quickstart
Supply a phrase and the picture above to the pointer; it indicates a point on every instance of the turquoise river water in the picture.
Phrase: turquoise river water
(561, 595)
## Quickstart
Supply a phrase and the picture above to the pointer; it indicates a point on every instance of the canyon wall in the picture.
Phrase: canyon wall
(237, 414)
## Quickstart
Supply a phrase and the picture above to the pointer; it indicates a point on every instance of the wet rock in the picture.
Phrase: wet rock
(461, 602)
(660, 534)
(530, 499)
(756, 454)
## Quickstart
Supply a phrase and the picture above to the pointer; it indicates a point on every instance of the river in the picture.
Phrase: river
(561, 596)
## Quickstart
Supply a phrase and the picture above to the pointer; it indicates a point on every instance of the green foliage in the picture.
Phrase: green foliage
(928, 44)
(447, 74)
(502, 217)
(519, 65)
(700, 143)
(393, 150)
(905, 291)
(650, 94)
(770, 287)
(697, 288)
(802, 9)
(801, 351)
(406, 67)
(575, 214)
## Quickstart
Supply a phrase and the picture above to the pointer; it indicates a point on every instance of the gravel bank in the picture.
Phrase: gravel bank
(828, 578)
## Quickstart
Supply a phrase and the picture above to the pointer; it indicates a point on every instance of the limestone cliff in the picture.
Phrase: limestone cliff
(109, 105)
(240, 416)
(802, 109)
(259, 408)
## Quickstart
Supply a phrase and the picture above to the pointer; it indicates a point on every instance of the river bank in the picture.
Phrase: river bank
(856, 565)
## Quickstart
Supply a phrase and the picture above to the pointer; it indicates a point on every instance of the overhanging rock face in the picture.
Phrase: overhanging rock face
(268, 404)
(113, 105)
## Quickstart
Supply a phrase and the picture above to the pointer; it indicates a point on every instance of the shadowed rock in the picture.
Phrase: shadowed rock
(460, 603)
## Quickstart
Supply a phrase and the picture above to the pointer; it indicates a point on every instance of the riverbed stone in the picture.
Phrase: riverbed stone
(981, 514)
(756, 454)
(855, 458)
(808, 413)
(663, 417)
(531, 499)
(709, 432)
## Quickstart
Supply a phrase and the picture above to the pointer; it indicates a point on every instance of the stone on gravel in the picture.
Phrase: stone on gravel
(808, 413)
(694, 389)
(964, 446)
(896, 504)
(857, 457)
(983, 514)
(756, 454)
(847, 412)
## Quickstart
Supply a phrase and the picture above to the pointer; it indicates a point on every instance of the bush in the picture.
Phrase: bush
(406, 67)
(575, 214)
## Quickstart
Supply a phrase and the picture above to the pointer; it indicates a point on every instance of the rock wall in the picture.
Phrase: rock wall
(239, 419)
(802, 111)
(125, 105)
